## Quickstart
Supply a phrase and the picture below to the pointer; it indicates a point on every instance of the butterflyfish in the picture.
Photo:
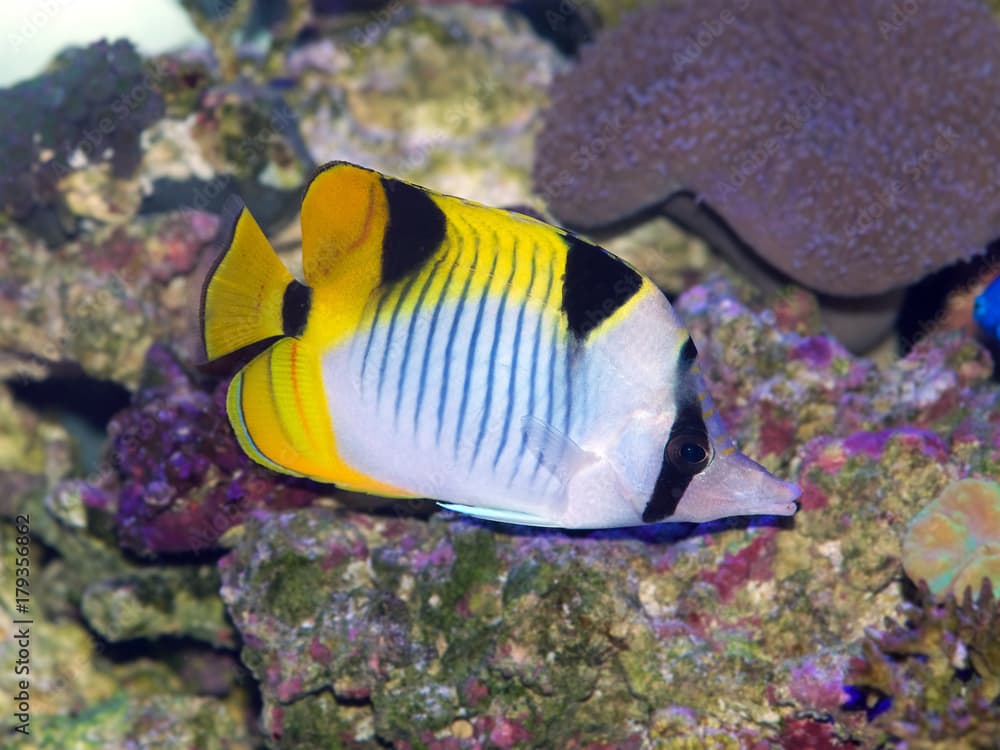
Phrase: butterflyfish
(443, 349)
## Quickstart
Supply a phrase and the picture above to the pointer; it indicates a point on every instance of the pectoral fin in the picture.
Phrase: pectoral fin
(554, 450)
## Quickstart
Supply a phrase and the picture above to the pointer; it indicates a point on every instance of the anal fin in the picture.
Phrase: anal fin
(278, 408)
(499, 514)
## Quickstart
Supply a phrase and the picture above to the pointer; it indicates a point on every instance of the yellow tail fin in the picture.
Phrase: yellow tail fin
(244, 293)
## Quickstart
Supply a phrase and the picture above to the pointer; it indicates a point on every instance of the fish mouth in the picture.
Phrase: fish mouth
(736, 485)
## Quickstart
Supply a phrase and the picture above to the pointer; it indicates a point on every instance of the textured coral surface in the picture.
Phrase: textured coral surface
(775, 114)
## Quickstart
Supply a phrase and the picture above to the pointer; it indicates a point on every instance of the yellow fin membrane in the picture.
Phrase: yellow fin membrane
(344, 218)
(278, 410)
(243, 295)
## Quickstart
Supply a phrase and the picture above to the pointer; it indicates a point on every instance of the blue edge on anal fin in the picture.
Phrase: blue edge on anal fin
(497, 514)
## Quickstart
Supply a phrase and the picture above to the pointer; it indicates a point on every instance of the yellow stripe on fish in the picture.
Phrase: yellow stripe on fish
(502, 366)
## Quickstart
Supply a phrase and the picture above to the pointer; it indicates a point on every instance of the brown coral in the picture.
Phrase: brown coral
(853, 144)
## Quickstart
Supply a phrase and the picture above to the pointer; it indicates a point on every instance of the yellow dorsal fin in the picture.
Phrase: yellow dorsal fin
(277, 407)
(244, 292)
(344, 217)
(362, 231)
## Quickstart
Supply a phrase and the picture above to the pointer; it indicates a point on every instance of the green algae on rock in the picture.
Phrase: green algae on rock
(157, 722)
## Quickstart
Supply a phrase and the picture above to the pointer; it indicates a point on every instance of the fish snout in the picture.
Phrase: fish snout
(735, 485)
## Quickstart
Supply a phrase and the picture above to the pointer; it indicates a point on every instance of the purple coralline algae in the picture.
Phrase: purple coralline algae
(182, 480)
(776, 114)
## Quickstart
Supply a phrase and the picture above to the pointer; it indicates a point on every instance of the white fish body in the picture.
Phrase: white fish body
(498, 365)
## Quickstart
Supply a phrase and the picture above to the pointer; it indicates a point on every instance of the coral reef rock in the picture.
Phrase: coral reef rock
(178, 476)
(89, 107)
(97, 304)
(933, 680)
(457, 633)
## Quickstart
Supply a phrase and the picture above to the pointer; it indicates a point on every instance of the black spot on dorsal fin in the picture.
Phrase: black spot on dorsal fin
(295, 308)
(415, 230)
(595, 285)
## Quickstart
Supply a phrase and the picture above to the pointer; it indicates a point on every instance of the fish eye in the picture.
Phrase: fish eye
(689, 452)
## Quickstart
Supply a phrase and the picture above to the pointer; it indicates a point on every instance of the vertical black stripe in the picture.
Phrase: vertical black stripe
(551, 359)
(553, 352)
(672, 481)
(443, 396)
(471, 356)
(512, 385)
(442, 299)
(382, 296)
(405, 363)
(568, 395)
(687, 357)
(389, 335)
(295, 305)
(497, 335)
(535, 346)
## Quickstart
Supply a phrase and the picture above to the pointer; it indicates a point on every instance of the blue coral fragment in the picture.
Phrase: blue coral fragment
(987, 310)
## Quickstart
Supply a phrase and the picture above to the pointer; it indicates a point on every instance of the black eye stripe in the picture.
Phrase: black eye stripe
(689, 353)
(671, 483)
